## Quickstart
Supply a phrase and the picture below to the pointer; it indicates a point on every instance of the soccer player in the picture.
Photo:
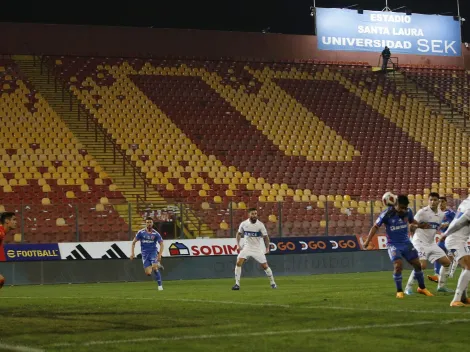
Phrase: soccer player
(449, 216)
(456, 241)
(396, 219)
(151, 255)
(425, 244)
(7, 223)
(254, 232)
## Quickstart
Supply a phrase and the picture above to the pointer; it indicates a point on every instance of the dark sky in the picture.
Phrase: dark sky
(282, 16)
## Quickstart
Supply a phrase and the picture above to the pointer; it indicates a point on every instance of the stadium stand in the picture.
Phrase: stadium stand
(449, 84)
(45, 174)
(312, 135)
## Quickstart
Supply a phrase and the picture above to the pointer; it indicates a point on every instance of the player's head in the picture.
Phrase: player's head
(402, 204)
(8, 220)
(443, 203)
(253, 214)
(433, 200)
(148, 222)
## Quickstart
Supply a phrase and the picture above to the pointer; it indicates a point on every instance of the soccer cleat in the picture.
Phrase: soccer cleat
(408, 291)
(235, 287)
(466, 300)
(445, 289)
(425, 291)
(433, 278)
(273, 286)
(458, 304)
(160, 288)
(400, 295)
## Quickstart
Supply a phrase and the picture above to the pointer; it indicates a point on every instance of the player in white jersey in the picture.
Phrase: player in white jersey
(256, 245)
(456, 241)
(425, 243)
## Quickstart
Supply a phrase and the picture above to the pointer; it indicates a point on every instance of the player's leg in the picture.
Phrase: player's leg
(463, 257)
(453, 265)
(444, 271)
(157, 275)
(412, 278)
(242, 257)
(397, 276)
(147, 265)
(395, 257)
(261, 258)
(411, 255)
(437, 264)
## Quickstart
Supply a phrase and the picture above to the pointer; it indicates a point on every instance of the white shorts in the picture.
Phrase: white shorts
(247, 253)
(457, 249)
(431, 252)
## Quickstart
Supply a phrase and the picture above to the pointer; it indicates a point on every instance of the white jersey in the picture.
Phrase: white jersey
(433, 219)
(462, 234)
(253, 234)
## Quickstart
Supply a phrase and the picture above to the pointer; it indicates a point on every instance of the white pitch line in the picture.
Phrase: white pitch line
(19, 348)
(262, 333)
(254, 304)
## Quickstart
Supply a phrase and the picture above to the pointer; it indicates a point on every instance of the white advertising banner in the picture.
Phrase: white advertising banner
(171, 248)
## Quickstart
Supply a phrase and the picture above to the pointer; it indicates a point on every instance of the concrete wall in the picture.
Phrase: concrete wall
(92, 271)
(146, 42)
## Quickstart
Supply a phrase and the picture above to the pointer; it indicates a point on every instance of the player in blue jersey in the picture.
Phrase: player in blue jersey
(449, 216)
(151, 247)
(397, 219)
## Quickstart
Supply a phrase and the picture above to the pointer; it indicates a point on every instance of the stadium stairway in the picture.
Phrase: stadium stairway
(94, 144)
(428, 99)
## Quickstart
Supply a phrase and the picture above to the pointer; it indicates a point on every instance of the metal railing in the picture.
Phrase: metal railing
(91, 222)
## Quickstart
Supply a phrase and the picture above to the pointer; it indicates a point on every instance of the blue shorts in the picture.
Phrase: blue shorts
(149, 259)
(403, 250)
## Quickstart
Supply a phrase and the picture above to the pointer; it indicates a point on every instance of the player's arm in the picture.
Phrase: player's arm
(372, 233)
(414, 223)
(266, 239)
(238, 237)
(159, 259)
(133, 246)
(380, 220)
(456, 225)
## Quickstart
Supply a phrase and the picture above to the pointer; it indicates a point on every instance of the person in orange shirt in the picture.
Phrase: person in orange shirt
(7, 223)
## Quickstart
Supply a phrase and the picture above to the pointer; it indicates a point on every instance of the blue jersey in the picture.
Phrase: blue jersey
(449, 216)
(148, 241)
(396, 226)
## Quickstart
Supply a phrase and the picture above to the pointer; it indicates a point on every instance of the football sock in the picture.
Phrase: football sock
(269, 274)
(443, 274)
(462, 284)
(419, 276)
(238, 274)
(411, 280)
(398, 281)
(437, 267)
(158, 277)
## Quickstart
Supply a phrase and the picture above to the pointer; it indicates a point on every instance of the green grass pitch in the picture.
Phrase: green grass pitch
(341, 312)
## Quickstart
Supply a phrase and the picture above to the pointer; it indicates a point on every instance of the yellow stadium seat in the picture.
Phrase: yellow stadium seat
(70, 194)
